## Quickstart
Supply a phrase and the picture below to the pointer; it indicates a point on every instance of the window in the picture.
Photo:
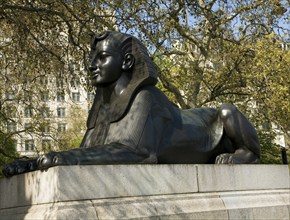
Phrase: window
(60, 112)
(59, 83)
(14, 144)
(75, 83)
(45, 128)
(27, 126)
(28, 112)
(60, 97)
(44, 112)
(73, 66)
(61, 127)
(29, 145)
(11, 126)
(10, 96)
(44, 96)
(43, 80)
(76, 96)
(91, 96)
(46, 144)
(27, 96)
(266, 126)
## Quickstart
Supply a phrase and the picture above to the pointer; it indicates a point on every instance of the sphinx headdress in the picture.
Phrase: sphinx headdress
(143, 72)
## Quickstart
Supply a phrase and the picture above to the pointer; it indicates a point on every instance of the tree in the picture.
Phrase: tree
(203, 48)
(207, 30)
(269, 81)
(41, 40)
(72, 137)
(8, 152)
(267, 76)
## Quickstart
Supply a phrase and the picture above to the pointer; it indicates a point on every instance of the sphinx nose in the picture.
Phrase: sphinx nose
(92, 67)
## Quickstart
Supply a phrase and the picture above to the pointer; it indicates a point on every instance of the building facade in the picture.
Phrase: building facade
(41, 125)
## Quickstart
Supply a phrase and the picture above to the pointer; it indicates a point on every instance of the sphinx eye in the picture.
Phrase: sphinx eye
(103, 56)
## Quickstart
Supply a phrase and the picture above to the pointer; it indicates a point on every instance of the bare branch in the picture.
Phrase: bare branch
(244, 9)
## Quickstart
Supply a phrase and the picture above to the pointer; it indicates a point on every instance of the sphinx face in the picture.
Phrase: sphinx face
(106, 63)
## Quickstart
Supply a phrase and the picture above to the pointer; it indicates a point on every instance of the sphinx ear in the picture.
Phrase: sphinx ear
(128, 61)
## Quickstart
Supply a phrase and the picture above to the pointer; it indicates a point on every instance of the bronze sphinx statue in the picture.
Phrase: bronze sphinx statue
(132, 121)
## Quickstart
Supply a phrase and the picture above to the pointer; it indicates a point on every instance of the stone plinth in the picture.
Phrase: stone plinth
(148, 191)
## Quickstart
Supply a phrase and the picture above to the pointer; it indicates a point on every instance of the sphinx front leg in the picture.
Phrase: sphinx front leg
(107, 154)
(241, 156)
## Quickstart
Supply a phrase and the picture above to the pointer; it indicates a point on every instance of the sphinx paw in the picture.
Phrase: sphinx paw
(225, 159)
(241, 156)
(19, 167)
(9, 170)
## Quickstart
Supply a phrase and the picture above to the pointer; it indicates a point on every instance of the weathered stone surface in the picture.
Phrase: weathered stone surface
(180, 206)
(242, 177)
(70, 183)
(60, 210)
(260, 204)
(148, 192)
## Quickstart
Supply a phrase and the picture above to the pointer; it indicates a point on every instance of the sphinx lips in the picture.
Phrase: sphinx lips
(95, 75)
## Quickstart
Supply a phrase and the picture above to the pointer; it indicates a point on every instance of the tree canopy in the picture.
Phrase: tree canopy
(208, 51)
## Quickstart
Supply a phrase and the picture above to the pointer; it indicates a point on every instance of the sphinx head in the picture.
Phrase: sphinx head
(115, 55)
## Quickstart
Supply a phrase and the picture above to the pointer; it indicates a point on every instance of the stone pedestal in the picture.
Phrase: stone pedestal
(148, 192)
